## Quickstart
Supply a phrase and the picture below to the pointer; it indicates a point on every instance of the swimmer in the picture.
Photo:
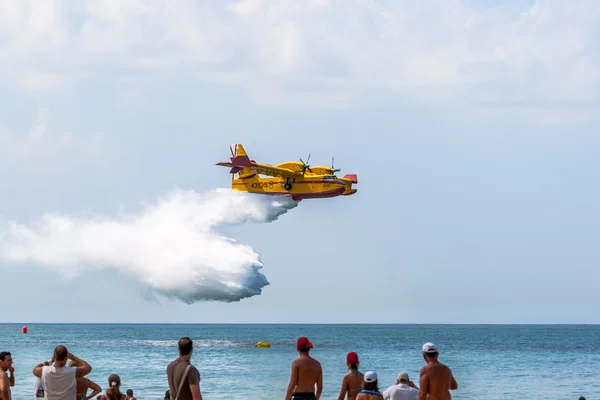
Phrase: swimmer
(370, 388)
(306, 373)
(83, 384)
(436, 378)
(352, 382)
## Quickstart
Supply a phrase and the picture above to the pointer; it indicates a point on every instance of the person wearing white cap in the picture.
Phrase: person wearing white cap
(404, 389)
(370, 390)
(436, 379)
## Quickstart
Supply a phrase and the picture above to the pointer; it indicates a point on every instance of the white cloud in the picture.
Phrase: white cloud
(541, 54)
(44, 149)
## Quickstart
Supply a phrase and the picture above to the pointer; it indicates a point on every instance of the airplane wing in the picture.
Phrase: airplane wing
(240, 161)
(269, 170)
(262, 169)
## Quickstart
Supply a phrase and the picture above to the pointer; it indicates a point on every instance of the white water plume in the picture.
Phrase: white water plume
(171, 247)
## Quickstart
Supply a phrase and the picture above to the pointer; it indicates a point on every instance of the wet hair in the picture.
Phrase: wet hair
(60, 353)
(129, 392)
(354, 366)
(167, 395)
(114, 383)
(185, 345)
(3, 355)
(370, 386)
(304, 349)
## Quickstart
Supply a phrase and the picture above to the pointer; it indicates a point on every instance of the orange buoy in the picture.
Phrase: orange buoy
(24, 329)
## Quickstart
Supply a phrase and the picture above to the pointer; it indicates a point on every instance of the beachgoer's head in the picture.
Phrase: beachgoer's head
(186, 346)
(114, 386)
(402, 378)
(60, 355)
(581, 398)
(352, 360)
(430, 351)
(303, 345)
(167, 395)
(5, 360)
(370, 381)
(130, 392)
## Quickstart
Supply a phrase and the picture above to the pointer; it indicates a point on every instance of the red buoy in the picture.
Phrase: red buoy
(24, 329)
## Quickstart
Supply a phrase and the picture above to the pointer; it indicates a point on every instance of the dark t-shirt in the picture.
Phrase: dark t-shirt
(175, 371)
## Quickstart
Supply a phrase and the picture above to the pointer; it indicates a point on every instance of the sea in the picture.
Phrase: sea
(489, 361)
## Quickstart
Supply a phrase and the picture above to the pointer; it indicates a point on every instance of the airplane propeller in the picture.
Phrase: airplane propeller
(333, 170)
(305, 165)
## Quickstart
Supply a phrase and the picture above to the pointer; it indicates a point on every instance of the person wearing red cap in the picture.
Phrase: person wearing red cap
(306, 373)
(352, 382)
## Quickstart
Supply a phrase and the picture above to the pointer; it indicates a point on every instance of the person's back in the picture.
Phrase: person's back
(404, 389)
(306, 374)
(352, 381)
(370, 387)
(59, 382)
(184, 385)
(309, 371)
(175, 371)
(436, 378)
(353, 384)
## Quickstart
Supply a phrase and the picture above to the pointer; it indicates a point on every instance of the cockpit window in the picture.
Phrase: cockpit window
(329, 177)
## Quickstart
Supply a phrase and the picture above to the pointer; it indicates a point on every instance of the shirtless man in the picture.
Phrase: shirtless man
(6, 381)
(306, 372)
(436, 378)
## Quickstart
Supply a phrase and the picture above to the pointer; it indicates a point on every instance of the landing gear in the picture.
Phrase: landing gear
(288, 185)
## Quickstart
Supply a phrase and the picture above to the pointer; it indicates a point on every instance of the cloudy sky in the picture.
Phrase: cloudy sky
(472, 126)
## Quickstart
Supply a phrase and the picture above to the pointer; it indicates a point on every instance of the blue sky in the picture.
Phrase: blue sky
(473, 131)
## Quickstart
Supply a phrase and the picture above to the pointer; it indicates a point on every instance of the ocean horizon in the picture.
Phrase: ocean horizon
(491, 361)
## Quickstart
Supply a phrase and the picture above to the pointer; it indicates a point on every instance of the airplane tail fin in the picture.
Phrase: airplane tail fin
(239, 159)
(237, 150)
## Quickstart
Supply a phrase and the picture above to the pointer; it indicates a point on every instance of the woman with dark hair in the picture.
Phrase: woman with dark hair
(113, 392)
(370, 390)
(353, 380)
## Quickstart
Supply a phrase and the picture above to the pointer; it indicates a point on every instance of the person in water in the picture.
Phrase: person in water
(114, 390)
(370, 388)
(6, 381)
(306, 373)
(436, 378)
(352, 382)
(83, 384)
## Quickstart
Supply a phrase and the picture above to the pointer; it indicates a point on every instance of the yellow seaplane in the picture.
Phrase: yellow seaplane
(296, 179)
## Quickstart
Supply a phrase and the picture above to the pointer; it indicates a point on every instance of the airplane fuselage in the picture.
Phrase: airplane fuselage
(308, 187)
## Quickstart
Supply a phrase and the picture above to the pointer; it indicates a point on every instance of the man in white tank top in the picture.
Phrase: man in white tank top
(58, 380)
